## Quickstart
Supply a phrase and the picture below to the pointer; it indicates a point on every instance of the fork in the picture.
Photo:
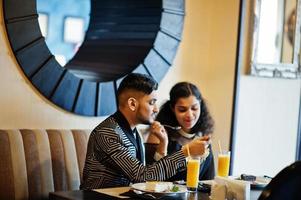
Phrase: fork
(176, 128)
(147, 195)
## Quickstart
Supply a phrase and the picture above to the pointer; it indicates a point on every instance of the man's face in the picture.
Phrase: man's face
(147, 108)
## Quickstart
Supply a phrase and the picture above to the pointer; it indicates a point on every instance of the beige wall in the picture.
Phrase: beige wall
(206, 57)
(267, 125)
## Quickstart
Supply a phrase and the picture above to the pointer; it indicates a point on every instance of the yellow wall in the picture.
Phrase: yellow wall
(206, 57)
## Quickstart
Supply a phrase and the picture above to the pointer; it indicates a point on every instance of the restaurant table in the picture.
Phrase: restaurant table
(91, 195)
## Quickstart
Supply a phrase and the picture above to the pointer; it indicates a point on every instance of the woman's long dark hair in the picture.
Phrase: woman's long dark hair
(205, 123)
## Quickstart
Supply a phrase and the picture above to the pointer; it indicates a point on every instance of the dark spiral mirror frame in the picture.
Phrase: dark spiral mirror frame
(123, 37)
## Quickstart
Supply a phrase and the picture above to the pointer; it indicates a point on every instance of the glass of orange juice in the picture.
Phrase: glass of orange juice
(223, 164)
(193, 169)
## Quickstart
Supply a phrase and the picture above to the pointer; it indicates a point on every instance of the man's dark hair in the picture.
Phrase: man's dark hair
(139, 82)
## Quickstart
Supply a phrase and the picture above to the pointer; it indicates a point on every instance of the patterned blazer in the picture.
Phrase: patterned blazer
(113, 157)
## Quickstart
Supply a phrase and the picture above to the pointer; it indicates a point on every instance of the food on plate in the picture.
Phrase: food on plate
(175, 188)
(155, 186)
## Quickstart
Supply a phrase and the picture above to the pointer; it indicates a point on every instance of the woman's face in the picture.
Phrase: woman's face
(187, 111)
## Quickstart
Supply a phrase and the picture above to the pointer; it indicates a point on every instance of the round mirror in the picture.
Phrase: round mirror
(123, 36)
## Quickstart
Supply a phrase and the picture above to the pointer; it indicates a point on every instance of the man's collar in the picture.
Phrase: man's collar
(122, 121)
(132, 135)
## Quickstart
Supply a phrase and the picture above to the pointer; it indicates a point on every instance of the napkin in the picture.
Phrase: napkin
(230, 189)
(115, 192)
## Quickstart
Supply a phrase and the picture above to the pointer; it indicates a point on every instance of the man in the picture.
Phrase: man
(115, 155)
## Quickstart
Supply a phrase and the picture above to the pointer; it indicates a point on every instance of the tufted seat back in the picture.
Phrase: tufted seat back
(36, 162)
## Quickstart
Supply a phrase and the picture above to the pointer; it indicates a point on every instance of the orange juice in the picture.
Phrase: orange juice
(193, 169)
(223, 164)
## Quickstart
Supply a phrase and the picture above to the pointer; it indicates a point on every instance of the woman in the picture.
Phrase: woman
(185, 116)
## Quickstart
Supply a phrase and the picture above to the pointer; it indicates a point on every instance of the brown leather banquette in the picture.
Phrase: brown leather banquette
(36, 162)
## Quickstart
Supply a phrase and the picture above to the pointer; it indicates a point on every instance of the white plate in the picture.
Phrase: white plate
(142, 187)
(260, 182)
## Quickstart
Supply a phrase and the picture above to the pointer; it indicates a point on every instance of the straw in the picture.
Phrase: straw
(219, 146)
(188, 152)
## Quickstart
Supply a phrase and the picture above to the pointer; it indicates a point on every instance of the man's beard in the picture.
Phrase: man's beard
(148, 121)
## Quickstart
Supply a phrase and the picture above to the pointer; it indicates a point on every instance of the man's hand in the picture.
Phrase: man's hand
(158, 130)
(196, 147)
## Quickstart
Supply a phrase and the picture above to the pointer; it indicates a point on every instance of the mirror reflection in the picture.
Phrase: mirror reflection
(276, 27)
(64, 24)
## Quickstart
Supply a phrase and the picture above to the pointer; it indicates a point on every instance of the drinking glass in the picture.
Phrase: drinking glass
(193, 169)
(223, 164)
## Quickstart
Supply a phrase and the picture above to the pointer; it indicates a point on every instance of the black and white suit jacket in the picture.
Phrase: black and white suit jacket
(113, 158)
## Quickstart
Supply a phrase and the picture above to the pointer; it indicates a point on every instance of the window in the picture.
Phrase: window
(74, 30)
